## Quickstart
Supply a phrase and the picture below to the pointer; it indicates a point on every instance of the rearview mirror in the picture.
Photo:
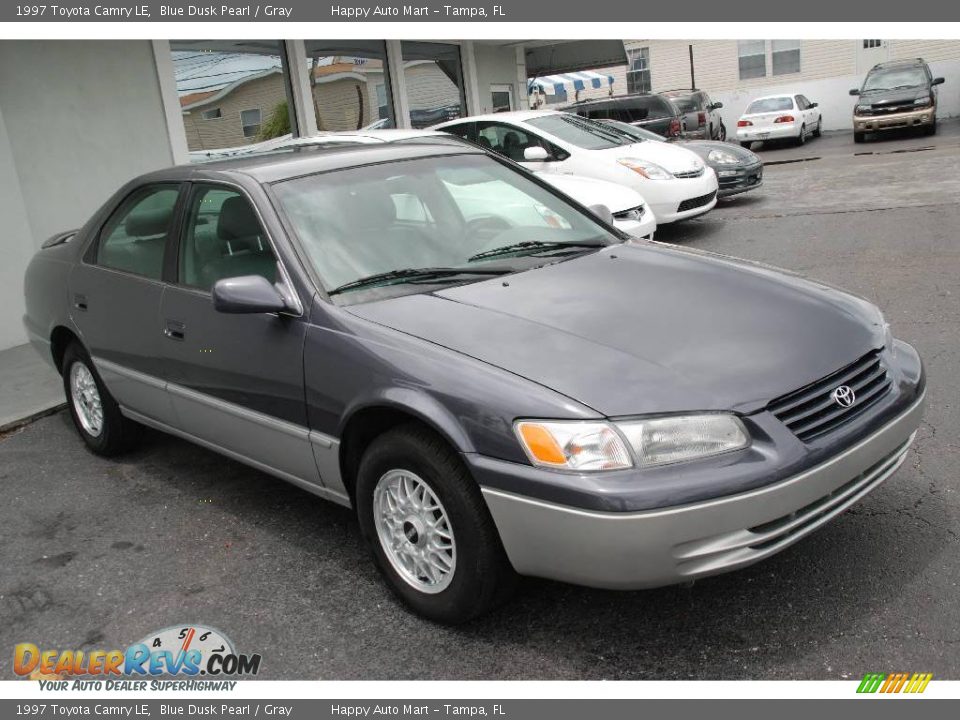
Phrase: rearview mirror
(247, 294)
(535, 153)
(937, 81)
(855, 91)
(602, 212)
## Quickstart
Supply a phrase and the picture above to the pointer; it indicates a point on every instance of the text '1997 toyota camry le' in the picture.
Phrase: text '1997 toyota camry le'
(496, 388)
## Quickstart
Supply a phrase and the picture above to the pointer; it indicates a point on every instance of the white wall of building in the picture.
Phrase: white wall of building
(79, 120)
(497, 65)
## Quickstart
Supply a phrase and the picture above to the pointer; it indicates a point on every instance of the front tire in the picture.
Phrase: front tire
(428, 527)
(818, 131)
(931, 129)
(859, 137)
(802, 138)
(746, 145)
(722, 135)
(95, 413)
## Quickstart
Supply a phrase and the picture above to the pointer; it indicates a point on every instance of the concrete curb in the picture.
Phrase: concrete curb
(6, 425)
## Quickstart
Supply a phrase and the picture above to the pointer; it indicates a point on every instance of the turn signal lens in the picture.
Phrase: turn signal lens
(784, 119)
(581, 446)
(744, 123)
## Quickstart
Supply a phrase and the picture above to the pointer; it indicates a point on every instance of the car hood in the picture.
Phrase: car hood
(879, 98)
(636, 329)
(703, 148)
(588, 191)
(668, 156)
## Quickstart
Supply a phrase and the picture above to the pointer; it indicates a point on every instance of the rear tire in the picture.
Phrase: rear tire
(859, 137)
(722, 135)
(95, 413)
(428, 527)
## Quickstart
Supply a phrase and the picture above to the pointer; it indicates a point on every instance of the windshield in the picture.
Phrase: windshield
(584, 133)
(684, 103)
(442, 213)
(770, 105)
(895, 79)
(636, 134)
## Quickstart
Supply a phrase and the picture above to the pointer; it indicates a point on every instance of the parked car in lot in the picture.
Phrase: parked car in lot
(646, 110)
(700, 116)
(624, 207)
(675, 182)
(491, 397)
(895, 95)
(738, 170)
(779, 117)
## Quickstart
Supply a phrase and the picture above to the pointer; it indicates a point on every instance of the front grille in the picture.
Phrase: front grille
(811, 411)
(691, 203)
(690, 174)
(631, 214)
(888, 109)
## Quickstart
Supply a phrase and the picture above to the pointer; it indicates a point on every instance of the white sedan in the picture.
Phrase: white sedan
(674, 181)
(779, 117)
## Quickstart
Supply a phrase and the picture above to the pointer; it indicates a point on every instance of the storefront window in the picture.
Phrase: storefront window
(232, 94)
(434, 79)
(349, 84)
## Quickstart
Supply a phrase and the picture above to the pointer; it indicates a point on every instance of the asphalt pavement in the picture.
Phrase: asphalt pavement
(97, 553)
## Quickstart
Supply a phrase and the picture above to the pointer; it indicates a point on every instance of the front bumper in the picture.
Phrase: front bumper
(677, 544)
(740, 179)
(668, 199)
(644, 227)
(776, 131)
(877, 123)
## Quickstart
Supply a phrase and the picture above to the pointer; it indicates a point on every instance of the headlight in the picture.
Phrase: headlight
(722, 157)
(583, 446)
(658, 441)
(649, 170)
(861, 109)
(924, 101)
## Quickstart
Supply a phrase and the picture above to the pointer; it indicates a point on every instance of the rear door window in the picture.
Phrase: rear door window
(135, 236)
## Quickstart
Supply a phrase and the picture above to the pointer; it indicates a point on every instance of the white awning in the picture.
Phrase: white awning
(569, 82)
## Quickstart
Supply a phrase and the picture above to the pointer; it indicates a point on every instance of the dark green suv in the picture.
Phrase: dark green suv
(897, 94)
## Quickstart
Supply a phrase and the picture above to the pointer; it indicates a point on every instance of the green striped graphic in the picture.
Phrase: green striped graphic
(871, 682)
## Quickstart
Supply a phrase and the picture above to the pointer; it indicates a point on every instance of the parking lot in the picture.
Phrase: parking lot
(97, 553)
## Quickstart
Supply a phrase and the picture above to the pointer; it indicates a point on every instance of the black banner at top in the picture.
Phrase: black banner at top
(480, 11)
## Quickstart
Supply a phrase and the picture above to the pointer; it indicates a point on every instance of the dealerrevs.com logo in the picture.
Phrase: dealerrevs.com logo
(887, 683)
(181, 651)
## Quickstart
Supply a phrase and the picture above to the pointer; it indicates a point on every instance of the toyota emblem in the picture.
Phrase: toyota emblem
(844, 396)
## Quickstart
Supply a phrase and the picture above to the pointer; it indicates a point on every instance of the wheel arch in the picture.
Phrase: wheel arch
(60, 338)
(369, 419)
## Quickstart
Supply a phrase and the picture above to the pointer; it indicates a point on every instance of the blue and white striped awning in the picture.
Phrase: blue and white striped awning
(564, 83)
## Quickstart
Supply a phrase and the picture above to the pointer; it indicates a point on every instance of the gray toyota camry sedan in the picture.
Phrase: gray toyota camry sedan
(486, 372)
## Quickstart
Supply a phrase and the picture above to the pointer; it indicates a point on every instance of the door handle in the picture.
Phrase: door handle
(175, 330)
(80, 301)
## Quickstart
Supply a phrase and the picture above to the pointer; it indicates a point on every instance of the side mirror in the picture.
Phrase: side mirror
(855, 91)
(535, 153)
(937, 81)
(247, 294)
(813, 105)
(716, 106)
(602, 212)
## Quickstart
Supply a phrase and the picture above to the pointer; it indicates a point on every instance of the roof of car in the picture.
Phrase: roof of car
(771, 97)
(617, 98)
(907, 62)
(679, 92)
(514, 115)
(293, 162)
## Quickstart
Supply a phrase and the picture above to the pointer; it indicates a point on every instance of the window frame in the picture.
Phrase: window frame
(207, 114)
(773, 56)
(91, 254)
(643, 53)
(243, 128)
(547, 145)
(741, 56)
(172, 259)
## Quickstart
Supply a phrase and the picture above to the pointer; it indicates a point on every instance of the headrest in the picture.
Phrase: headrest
(237, 219)
(484, 142)
(148, 223)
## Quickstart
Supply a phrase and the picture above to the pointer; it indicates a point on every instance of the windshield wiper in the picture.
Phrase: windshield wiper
(413, 274)
(532, 245)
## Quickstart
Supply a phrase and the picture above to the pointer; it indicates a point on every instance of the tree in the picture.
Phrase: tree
(278, 124)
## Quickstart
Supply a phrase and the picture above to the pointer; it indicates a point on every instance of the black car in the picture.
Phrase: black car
(895, 95)
(738, 170)
(652, 112)
(700, 117)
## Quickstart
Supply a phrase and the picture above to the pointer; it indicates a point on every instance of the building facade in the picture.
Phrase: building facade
(735, 72)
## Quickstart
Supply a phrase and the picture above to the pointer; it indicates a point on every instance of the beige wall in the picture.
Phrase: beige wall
(338, 102)
(264, 93)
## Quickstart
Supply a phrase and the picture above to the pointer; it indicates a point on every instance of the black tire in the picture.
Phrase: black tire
(746, 145)
(722, 135)
(802, 138)
(859, 137)
(482, 576)
(816, 133)
(931, 129)
(117, 433)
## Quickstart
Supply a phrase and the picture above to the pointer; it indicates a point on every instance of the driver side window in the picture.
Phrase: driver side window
(510, 141)
(223, 239)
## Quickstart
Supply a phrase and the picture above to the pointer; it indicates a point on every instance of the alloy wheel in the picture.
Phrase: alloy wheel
(86, 399)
